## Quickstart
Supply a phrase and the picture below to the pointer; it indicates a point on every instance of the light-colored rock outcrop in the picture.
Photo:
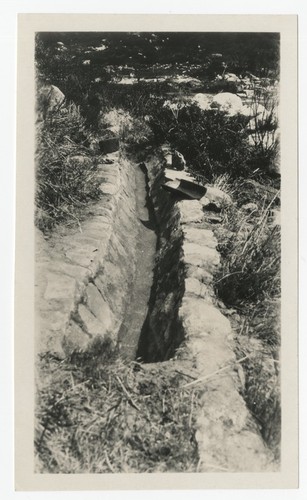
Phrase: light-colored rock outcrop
(203, 101)
(227, 102)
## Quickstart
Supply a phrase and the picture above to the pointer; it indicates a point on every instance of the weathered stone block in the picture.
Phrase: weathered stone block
(190, 211)
(217, 196)
(91, 324)
(99, 306)
(198, 273)
(201, 256)
(200, 236)
(195, 287)
(200, 318)
(75, 338)
(59, 287)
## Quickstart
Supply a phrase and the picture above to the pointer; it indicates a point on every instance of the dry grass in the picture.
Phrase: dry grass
(249, 281)
(65, 169)
(251, 258)
(98, 414)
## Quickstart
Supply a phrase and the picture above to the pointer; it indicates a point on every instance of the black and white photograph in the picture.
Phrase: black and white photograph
(157, 220)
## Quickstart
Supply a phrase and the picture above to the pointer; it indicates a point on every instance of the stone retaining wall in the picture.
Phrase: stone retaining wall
(185, 312)
(73, 303)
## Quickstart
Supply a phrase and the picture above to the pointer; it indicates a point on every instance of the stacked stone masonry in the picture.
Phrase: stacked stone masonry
(227, 436)
(83, 276)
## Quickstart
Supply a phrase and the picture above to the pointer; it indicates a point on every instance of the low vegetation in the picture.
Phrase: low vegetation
(249, 282)
(99, 414)
(66, 169)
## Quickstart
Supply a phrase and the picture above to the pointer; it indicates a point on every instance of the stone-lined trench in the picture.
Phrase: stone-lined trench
(144, 264)
(145, 251)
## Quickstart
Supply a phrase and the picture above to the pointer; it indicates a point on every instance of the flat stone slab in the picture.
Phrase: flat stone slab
(92, 325)
(75, 339)
(201, 256)
(190, 211)
(195, 287)
(99, 307)
(59, 287)
(171, 175)
(200, 236)
(200, 318)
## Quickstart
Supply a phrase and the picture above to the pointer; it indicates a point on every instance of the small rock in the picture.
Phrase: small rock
(213, 219)
(178, 161)
(80, 160)
(275, 218)
(168, 160)
(231, 77)
(50, 98)
(200, 318)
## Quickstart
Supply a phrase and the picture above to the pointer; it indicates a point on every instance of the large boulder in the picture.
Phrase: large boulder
(202, 101)
(228, 103)
(231, 77)
(50, 98)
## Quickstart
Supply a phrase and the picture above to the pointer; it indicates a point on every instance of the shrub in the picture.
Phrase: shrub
(264, 137)
(138, 99)
(211, 142)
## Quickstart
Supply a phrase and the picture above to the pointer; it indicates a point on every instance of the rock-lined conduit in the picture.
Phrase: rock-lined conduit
(145, 249)
(141, 274)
